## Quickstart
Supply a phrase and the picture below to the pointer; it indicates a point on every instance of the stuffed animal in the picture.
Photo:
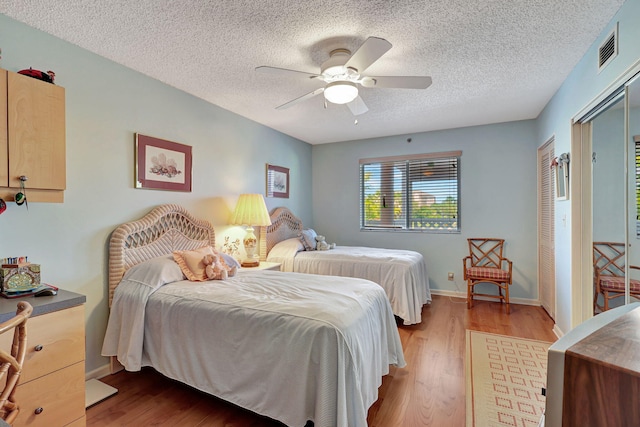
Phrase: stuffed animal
(216, 268)
(321, 245)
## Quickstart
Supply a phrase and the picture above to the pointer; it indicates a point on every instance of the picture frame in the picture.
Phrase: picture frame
(561, 166)
(162, 164)
(277, 181)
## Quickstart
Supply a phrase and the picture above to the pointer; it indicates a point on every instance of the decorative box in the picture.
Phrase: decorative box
(19, 277)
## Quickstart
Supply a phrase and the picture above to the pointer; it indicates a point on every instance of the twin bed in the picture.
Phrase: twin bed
(290, 346)
(402, 273)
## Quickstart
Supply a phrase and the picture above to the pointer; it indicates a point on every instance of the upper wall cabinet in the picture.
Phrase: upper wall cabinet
(32, 138)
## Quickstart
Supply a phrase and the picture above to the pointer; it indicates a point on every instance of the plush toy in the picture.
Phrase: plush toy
(321, 245)
(216, 268)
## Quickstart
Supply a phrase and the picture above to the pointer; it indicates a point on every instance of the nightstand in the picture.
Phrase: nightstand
(264, 265)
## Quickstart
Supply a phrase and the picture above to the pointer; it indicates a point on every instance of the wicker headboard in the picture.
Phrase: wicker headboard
(165, 229)
(284, 225)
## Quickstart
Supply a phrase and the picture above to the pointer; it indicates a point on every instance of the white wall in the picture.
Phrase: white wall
(582, 86)
(105, 105)
(498, 198)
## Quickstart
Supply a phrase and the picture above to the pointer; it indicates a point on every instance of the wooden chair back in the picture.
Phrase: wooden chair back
(11, 362)
(608, 259)
(486, 252)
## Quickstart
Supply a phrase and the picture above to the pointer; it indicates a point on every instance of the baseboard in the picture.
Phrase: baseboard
(557, 331)
(463, 295)
(102, 371)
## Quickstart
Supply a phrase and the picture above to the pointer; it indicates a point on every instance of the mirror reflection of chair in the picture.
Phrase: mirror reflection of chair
(485, 264)
(11, 362)
(608, 274)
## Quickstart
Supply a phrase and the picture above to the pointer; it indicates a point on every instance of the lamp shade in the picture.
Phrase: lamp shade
(340, 92)
(251, 210)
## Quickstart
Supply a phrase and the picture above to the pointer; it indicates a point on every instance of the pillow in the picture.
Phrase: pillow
(285, 249)
(155, 272)
(229, 260)
(308, 239)
(191, 264)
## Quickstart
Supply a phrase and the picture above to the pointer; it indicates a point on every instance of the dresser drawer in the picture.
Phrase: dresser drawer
(59, 394)
(80, 422)
(54, 340)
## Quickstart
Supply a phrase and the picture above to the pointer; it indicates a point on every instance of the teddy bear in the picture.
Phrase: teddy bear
(216, 268)
(321, 245)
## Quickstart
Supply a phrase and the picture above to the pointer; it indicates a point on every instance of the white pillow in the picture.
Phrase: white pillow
(155, 272)
(285, 249)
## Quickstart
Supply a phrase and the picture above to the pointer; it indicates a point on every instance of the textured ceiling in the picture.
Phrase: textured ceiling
(491, 60)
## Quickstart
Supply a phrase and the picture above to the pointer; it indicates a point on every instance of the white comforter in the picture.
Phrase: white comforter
(402, 273)
(293, 347)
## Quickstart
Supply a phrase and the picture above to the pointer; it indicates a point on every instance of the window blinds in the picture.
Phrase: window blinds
(419, 192)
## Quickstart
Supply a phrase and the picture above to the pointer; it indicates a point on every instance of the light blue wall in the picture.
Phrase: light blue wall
(105, 105)
(582, 86)
(498, 198)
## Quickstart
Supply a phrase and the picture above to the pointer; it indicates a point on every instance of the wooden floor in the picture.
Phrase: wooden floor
(429, 391)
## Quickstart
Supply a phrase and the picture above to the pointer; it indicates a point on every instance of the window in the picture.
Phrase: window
(416, 193)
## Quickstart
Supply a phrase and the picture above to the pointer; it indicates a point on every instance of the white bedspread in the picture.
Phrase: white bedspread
(402, 273)
(293, 347)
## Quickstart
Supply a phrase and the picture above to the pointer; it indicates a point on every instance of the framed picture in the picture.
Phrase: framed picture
(162, 164)
(277, 181)
(561, 165)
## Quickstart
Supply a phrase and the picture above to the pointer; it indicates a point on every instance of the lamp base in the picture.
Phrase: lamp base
(250, 263)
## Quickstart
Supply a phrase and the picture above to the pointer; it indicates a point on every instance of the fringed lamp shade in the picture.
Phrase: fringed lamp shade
(251, 211)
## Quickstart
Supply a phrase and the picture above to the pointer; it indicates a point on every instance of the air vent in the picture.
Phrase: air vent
(608, 49)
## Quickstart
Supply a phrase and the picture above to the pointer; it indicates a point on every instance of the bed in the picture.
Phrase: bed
(402, 273)
(290, 346)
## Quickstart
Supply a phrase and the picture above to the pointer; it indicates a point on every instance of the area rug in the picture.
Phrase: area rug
(505, 377)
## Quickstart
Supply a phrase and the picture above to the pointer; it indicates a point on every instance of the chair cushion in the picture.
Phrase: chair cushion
(616, 284)
(488, 273)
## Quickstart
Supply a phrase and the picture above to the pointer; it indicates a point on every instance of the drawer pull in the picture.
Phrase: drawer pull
(39, 410)
(39, 347)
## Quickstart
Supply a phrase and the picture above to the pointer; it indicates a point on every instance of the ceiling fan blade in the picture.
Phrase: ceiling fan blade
(285, 71)
(300, 99)
(397, 82)
(357, 106)
(370, 51)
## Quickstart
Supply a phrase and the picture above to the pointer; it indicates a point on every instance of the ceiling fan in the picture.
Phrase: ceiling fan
(343, 72)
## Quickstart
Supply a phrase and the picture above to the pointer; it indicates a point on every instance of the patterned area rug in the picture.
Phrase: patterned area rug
(505, 377)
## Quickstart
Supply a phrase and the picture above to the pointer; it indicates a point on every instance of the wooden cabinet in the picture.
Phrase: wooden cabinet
(602, 374)
(51, 391)
(32, 138)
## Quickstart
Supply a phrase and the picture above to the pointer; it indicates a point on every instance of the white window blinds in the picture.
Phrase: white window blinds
(419, 192)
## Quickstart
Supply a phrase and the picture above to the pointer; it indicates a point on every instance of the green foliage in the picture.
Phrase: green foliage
(424, 217)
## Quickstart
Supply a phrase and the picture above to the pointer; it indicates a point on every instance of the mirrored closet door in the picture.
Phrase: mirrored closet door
(615, 186)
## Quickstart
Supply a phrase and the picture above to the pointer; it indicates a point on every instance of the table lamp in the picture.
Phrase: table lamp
(251, 211)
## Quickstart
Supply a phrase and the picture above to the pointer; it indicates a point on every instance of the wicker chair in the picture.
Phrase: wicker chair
(485, 264)
(608, 274)
(11, 363)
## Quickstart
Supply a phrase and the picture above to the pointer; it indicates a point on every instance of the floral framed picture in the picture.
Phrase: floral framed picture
(162, 164)
(277, 181)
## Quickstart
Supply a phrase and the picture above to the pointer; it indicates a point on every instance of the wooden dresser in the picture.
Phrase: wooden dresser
(51, 391)
(602, 376)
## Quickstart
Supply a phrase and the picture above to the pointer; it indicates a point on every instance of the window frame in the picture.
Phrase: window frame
(412, 159)
(636, 141)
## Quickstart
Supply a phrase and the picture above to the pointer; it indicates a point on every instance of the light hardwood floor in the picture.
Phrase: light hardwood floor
(430, 391)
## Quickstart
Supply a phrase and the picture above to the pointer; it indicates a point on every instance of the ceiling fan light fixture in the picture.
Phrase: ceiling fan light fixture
(340, 92)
